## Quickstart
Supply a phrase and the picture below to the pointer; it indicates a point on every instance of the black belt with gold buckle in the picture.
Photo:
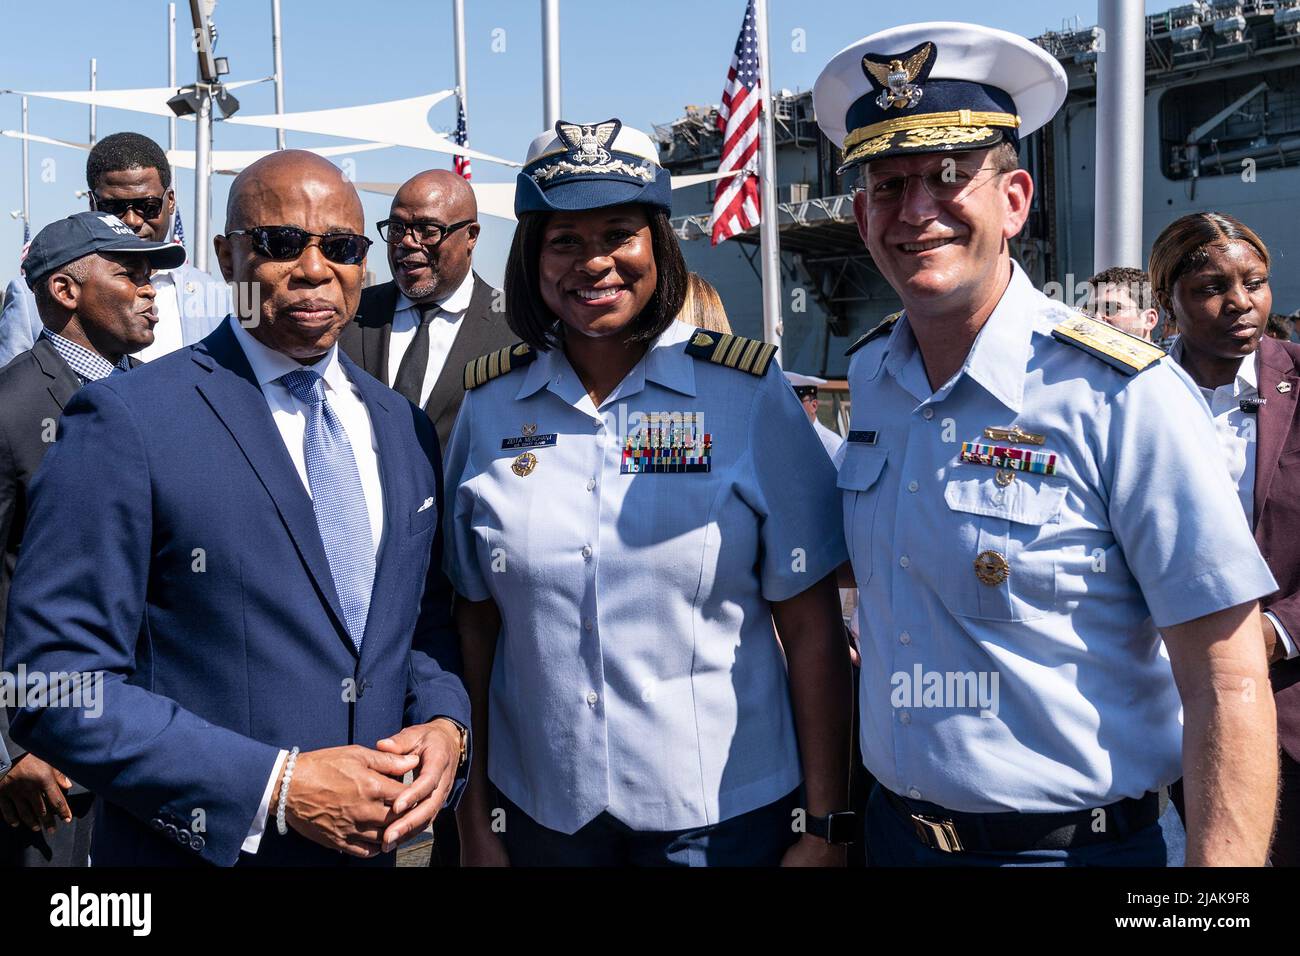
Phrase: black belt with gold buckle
(952, 831)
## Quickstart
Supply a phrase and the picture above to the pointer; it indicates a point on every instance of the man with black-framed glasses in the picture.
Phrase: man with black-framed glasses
(416, 332)
(128, 176)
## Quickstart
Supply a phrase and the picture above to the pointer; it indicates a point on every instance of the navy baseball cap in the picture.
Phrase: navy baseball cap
(66, 240)
(590, 166)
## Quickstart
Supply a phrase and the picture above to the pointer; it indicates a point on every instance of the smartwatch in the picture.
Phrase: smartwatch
(837, 829)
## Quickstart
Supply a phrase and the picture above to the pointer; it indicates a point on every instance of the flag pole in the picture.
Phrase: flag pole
(278, 57)
(171, 69)
(1121, 90)
(550, 62)
(94, 83)
(769, 241)
(27, 207)
(458, 28)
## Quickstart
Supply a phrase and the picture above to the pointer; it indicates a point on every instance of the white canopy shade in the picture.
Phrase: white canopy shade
(498, 199)
(150, 99)
(233, 160)
(398, 122)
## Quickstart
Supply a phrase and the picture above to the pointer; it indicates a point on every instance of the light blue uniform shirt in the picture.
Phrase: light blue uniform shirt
(1046, 691)
(637, 670)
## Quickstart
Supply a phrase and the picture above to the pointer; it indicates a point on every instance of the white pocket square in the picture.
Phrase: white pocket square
(428, 503)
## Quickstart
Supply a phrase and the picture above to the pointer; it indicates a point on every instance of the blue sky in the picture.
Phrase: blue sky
(642, 62)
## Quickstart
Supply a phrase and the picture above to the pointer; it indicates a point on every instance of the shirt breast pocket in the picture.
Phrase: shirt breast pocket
(1003, 559)
(858, 480)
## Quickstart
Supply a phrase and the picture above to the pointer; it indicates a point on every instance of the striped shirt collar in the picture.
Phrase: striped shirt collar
(89, 365)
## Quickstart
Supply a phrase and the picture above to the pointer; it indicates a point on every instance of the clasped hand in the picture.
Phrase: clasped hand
(352, 799)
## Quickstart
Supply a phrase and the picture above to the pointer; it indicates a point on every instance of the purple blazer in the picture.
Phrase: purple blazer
(1277, 515)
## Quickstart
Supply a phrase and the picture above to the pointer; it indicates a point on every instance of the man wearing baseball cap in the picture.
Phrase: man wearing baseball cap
(1013, 565)
(90, 276)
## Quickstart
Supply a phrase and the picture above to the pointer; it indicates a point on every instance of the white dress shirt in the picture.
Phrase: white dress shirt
(167, 335)
(1239, 437)
(442, 333)
(290, 416)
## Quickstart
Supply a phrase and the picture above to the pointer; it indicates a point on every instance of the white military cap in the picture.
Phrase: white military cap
(935, 87)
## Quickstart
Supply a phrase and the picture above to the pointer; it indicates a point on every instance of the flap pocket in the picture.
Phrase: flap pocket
(861, 467)
(1028, 499)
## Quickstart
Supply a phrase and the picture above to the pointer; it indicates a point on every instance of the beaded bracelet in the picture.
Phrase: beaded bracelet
(281, 827)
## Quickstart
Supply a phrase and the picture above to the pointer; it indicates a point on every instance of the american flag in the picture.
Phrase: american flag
(178, 230)
(27, 242)
(736, 207)
(462, 139)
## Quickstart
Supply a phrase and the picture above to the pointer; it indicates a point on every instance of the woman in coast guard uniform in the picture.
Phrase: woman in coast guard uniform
(637, 508)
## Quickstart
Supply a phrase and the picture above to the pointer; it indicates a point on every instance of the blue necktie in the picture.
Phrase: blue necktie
(338, 500)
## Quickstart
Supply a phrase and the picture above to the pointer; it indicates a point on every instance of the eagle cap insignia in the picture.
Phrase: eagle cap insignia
(586, 142)
(899, 77)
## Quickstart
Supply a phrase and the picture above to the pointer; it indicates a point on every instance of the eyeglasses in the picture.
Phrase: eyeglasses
(289, 242)
(426, 232)
(949, 182)
(146, 207)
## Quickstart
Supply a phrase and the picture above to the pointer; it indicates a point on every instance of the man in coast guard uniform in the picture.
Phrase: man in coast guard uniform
(1013, 562)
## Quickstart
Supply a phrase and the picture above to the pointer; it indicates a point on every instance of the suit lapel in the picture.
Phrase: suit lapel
(474, 337)
(235, 397)
(383, 405)
(63, 381)
(1274, 366)
(375, 331)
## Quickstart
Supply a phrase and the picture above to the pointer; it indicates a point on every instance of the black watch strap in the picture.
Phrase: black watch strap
(835, 828)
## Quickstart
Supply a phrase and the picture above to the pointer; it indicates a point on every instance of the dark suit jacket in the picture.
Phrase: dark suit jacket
(34, 387)
(1277, 515)
(365, 339)
(171, 545)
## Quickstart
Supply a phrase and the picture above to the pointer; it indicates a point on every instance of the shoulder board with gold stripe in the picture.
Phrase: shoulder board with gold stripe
(733, 351)
(885, 325)
(1122, 351)
(495, 364)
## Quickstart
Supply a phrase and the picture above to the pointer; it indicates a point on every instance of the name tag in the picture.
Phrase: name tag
(668, 443)
(529, 441)
(1004, 456)
(864, 437)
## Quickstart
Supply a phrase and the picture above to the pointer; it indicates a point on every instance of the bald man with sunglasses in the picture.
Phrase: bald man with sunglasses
(255, 572)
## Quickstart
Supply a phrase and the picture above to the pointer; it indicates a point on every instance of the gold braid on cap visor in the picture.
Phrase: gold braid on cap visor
(876, 137)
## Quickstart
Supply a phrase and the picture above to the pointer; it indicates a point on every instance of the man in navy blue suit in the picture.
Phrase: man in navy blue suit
(243, 539)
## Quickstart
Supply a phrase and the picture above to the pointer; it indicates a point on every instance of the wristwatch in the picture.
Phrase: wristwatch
(464, 742)
(837, 829)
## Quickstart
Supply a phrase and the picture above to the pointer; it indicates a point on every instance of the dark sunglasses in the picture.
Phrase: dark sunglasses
(147, 207)
(289, 242)
(426, 233)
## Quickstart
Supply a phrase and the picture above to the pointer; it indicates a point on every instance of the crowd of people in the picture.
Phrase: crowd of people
(572, 574)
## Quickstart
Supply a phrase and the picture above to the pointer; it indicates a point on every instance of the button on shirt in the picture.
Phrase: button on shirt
(442, 333)
(1239, 439)
(290, 416)
(1033, 680)
(637, 670)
